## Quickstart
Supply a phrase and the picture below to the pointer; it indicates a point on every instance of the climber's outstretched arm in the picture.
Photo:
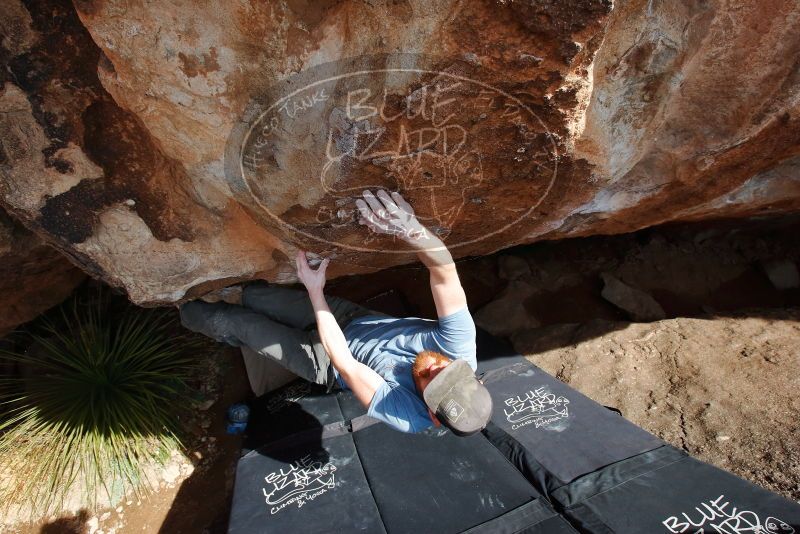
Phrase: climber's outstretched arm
(362, 380)
(391, 214)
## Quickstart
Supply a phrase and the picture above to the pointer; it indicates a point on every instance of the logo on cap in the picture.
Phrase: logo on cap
(453, 410)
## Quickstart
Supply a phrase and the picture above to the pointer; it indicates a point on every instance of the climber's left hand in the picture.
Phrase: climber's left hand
(314, 280)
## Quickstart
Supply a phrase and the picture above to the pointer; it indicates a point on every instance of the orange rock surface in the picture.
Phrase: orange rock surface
(171, 148)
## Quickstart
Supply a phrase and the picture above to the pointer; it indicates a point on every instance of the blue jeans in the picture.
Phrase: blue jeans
(276, 322)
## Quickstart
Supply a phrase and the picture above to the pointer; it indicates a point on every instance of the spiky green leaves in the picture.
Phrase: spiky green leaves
(93, 409)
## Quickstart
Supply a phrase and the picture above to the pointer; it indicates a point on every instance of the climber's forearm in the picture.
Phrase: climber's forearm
(362, 380)
(448, 295)
(432, 251)
(330, 334)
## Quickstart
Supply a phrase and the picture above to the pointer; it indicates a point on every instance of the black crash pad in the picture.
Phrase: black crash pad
(667, 491)
(299, 406)
(312, 486)
(325, 474)
(552, 433)
(551, 461)
(606, 475)
(437, 482)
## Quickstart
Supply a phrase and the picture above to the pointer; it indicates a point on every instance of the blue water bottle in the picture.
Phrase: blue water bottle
(238, 414)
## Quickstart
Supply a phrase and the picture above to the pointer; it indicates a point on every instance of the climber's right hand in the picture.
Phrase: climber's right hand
(390, 214)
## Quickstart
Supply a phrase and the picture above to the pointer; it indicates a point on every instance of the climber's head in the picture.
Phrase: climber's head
(427, 365)
(452, 392)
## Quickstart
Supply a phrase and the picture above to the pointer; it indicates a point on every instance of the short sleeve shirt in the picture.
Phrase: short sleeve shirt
(389, 346)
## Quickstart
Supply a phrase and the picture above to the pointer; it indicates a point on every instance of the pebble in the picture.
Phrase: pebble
(723, 438)
(105, 516)
(171, 473)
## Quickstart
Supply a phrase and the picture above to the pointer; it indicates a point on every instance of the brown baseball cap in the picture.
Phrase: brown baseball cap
(458, 399)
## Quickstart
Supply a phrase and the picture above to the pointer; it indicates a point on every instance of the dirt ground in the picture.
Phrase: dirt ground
(722, 388)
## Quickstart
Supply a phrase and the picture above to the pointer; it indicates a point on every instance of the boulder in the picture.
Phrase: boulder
(33, 275)
(782, 273)
(639, 305)
(512, 267)
(507, 313)
(171, 150)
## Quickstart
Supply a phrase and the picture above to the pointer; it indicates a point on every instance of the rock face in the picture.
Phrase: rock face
(640, 306)
(174, 148)
(33, 276)
(782, 273)
(507, 313)
(723, 388)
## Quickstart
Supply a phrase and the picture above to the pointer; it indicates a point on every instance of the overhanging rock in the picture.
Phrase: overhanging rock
(173, 151)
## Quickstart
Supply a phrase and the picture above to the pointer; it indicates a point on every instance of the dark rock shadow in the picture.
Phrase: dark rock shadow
(202, 503)
(67, 525)
(709, 269)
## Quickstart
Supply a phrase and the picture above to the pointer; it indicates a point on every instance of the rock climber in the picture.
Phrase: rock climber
(410, 373)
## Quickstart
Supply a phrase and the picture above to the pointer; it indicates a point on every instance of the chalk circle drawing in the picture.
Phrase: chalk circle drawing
(537, 406)
(385, 122)
(722, 517)
(302, 481)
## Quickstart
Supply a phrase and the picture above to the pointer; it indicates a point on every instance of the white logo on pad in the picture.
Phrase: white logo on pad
(724, 518)
(538, 407)
(301, 482)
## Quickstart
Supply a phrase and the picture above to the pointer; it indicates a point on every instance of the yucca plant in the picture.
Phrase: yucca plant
(93, 409)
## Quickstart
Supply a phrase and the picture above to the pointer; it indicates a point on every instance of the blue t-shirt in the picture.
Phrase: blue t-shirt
(389, 346)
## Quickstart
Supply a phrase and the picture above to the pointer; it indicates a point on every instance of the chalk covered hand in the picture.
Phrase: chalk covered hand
(314, 280)
(390, 214)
